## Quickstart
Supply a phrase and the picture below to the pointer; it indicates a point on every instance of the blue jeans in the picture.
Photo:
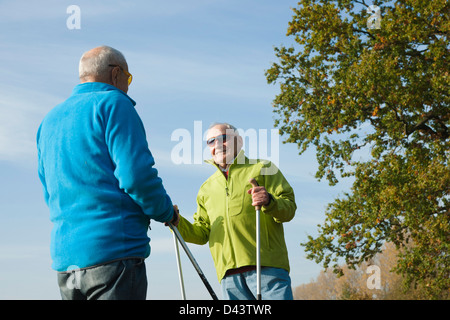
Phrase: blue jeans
(119, 280)
(275, 285)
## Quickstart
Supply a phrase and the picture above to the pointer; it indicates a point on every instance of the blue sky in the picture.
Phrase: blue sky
(193, 62)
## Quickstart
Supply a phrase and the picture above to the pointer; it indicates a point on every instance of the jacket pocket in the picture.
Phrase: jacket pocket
(235, 203)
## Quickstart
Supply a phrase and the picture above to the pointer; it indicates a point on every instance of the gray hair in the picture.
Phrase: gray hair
(96, 64)
(225, 124)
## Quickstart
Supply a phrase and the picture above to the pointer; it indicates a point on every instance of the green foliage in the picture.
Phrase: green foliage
(375, 105)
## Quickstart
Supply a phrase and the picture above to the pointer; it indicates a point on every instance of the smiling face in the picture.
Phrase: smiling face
(226, 145)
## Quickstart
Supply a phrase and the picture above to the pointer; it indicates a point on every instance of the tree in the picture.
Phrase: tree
(354, 284)
(373, 100)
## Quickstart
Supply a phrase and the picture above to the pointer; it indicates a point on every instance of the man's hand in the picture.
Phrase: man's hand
(176, 217)
(260, 196)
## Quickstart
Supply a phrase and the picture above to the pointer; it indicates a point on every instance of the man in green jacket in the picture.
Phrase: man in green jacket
(226, 219)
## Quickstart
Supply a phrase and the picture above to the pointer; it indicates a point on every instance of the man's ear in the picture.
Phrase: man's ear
(114, 76)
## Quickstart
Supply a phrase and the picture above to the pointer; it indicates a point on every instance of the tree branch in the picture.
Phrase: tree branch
(365, 32)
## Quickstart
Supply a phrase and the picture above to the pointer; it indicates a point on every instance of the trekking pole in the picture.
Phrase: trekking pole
(180, 271)
(194, 263)
(254, 183)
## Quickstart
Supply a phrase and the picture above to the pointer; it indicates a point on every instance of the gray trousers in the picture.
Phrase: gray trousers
(119, 280)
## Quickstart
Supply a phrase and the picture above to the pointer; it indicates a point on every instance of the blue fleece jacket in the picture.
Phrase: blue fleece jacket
(99, 178)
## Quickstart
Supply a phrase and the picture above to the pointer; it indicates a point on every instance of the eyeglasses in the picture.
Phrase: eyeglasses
(130, 77)
(222, 138)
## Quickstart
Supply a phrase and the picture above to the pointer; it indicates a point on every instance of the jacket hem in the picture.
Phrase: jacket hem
(100, 264)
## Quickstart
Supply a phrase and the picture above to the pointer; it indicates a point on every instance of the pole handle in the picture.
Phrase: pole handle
(255, 184)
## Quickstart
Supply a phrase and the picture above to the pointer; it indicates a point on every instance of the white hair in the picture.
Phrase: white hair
(96, 65)
(225, 124)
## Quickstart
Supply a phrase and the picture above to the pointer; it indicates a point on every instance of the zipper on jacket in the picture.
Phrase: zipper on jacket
(227, 217)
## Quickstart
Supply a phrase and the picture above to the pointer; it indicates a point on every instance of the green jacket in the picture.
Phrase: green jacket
(226, 218)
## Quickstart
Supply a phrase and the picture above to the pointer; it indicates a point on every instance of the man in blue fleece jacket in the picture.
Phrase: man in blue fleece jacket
(100, 184)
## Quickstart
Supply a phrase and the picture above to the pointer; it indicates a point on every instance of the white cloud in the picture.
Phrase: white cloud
(21, 112)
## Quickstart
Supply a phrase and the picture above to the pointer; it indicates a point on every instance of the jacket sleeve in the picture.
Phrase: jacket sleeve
(197, 232)
(41, 171)
(134, 163)
(282, 205)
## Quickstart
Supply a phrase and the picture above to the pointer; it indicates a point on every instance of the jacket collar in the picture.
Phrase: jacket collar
(97, 87)
(239, 159)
